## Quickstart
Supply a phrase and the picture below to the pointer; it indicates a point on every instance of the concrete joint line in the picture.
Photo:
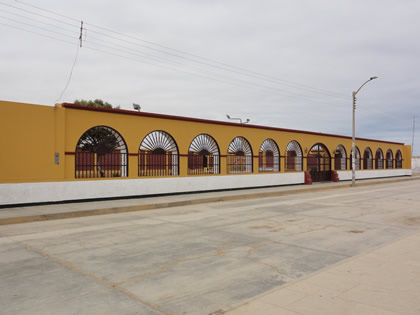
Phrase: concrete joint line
(315, 273)
(89, 275)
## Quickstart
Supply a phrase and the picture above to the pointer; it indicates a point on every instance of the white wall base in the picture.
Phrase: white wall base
(22, 193)
(364, 174)
(75, 190)
(415, 163)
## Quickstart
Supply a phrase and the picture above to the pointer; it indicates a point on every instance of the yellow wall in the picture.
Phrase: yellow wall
(31, 134)
(29, 137)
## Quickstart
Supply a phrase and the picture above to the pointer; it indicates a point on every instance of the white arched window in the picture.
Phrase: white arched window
(269, 157)
(239, 156)
(158, 155)
(203, 156)
(340, 158)
(293, 157)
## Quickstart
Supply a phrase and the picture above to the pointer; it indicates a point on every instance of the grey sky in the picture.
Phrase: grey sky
(315, 52)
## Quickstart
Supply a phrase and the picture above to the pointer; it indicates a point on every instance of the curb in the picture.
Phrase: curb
(116, 210)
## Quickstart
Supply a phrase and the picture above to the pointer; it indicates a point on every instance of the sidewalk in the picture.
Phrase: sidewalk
(26, 214)
(384, 281)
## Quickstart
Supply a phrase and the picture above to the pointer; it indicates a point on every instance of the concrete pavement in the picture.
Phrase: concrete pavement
(211, 258)
(383, 281)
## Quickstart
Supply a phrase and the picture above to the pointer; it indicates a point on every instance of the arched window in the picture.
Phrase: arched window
(340, 158)
(389, 159)
(293, 157)
(203, 156)
(357, 160)
(398, 159)
(269, 157)
(367, 159)
(379, 159)
(158, 155)
(101, 152)
(239, 156)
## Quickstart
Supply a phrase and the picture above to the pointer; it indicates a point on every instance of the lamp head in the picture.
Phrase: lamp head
(228, 116)
(374, 77)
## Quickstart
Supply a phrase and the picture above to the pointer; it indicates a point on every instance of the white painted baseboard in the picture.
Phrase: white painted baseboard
(364, 174)
(76, 190)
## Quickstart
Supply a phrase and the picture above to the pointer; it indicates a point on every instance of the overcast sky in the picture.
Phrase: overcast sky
(288, 64)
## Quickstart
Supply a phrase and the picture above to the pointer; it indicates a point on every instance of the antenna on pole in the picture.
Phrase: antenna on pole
(81, 33)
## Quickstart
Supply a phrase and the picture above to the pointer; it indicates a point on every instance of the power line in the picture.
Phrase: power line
(110, 53)
(205, 63)
(41, 15)
(29, 31)
(34, 6)
(71, 73)
(35, 26)
(35, 20)
(212, 74)
(74, 63)
(213, 63)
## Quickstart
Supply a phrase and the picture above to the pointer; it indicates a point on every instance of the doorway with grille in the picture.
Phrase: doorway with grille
(319, 163)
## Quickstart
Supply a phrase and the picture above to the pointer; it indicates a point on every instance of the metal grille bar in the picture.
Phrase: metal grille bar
(319, 163)
(101, 152)
(398, 159)
(203, 164)
(293, 157)
(94, 165)
(379, 159)
(389, 159)
(269, 157)
(357, 160)
(203, 156)
(340, 158)
(158, 155)
(367, 159)
(239, 157)
(156, 163)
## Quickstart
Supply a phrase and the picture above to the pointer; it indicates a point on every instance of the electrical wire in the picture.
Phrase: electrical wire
(210, 74)
(41, 15)
(38, 21)
(213, 63)
(71, 73)
(29, 31)
(260, 77)
(35, 26)
(151, 57)
(178, 54)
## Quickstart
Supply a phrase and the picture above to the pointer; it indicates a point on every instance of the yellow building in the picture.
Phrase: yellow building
(74, 152)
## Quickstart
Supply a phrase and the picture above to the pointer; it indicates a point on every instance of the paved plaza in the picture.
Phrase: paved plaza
(339, 251)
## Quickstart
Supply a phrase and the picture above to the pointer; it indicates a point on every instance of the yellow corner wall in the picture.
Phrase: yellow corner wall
(29, 139)
(31, 134)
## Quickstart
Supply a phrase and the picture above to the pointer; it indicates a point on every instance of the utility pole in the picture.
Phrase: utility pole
(412, 142)
(353, 138)
(81, 33)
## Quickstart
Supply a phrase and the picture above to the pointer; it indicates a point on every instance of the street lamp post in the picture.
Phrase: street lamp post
(353, 139)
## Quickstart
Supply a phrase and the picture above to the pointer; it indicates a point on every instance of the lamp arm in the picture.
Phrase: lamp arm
(372, 78)
(361, 87)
